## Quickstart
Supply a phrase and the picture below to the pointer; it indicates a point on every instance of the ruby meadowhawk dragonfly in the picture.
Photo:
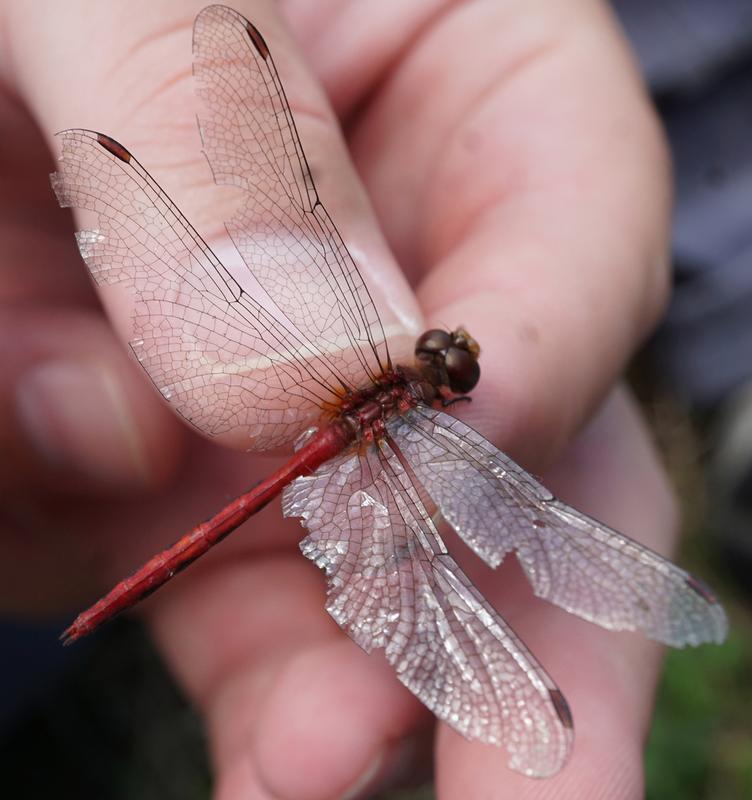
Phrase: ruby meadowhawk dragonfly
(378, 460)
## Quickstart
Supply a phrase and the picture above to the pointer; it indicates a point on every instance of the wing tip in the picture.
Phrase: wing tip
(701, 588)
(102, 139)
(257, 40)
(114, 147)
(226, 13)
(714, 608)
(563, 711)
(548, 763)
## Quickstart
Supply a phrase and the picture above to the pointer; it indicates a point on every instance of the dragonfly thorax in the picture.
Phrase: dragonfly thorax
(443, 360)
(448, 359)
(364, 413)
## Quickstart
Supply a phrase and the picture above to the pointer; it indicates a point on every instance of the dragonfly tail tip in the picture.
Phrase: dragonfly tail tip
(69, 636)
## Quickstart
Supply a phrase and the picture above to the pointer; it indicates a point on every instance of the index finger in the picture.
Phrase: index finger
(529, 200)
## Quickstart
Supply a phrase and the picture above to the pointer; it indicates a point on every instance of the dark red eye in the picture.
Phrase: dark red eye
(462, 369)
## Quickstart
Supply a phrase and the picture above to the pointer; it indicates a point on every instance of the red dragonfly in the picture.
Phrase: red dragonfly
(377, 460)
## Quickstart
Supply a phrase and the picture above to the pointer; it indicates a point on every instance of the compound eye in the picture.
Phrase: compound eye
(433, 341)
(462, 370)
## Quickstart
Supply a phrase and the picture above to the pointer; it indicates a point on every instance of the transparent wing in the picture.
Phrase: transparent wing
(282, 231)
(226, 365)
(570, 559)
(392, 585)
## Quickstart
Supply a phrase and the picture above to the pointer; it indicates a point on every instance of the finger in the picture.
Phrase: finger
(73, 411)
(75, 414)
(607, 678)
(293, 706)
(528, 199)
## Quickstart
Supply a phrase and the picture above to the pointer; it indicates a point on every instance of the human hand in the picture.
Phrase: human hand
(527, 174)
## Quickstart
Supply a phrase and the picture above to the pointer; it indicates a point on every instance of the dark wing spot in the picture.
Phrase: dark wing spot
(114, 147)
(258, 41)
(539, 523)
(562, 708)
(704, 591)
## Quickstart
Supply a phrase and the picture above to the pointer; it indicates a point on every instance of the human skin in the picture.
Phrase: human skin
(518, 175)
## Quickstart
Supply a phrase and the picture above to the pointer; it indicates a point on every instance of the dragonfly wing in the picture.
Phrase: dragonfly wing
(224, 363)
(281, 230)
(571, 560)
(392, 585)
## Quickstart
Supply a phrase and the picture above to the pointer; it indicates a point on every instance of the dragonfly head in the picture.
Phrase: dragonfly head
(449, 359)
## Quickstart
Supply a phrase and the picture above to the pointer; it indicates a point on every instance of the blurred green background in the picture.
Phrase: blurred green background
(114, 725)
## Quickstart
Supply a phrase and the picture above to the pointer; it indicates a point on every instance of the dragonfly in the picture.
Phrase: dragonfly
(378, 463)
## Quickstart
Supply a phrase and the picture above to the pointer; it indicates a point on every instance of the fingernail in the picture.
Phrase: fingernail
(364, 780)
(75, 416)
(404, 764)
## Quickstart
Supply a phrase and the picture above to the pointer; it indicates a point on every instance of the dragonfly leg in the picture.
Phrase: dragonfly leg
(446, 402)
